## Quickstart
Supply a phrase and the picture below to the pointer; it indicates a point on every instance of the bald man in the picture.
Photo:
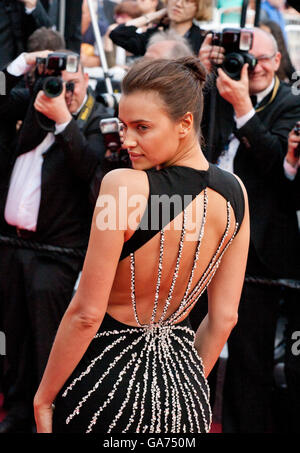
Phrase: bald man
(250, 139)
(168, 44)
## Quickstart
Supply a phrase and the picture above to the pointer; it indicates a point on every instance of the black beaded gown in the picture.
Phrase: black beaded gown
(149, 378)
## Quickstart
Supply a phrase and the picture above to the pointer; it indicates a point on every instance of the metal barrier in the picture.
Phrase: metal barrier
(291, 19)
(281, 282)
(80, 253)
(37, 246)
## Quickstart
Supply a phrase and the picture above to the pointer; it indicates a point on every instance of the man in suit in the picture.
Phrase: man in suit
(45, 219)
(18, 19)
(251, 141)
(292, 307)
(71, 23)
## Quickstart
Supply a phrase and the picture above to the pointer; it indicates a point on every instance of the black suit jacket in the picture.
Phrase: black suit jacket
(16, 26)
(259, 163)
(296, 189)
(68, 169)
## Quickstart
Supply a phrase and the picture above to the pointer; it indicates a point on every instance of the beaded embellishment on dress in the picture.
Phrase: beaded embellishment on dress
(158, 368)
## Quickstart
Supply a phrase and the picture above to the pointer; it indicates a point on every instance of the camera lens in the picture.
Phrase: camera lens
(233, 64)
(52, 87)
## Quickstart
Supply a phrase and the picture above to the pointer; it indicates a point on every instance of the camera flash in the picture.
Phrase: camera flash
(245, 40)
(72, 63)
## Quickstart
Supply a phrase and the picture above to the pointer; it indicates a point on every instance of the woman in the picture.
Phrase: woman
(125, 357)
(178, 15)
(123, 12)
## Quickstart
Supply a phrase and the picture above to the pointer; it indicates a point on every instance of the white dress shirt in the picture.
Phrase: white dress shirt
(24, 194)
(226, 159)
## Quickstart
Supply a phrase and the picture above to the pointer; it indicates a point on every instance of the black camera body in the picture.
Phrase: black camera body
(297, 132)
(117, 157)
(110, 128)
(50, 70)
(237, 42)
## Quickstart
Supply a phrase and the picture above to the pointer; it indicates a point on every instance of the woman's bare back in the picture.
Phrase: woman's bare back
(209, 216)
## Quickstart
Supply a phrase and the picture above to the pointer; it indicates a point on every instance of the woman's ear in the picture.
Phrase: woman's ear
(186, 124)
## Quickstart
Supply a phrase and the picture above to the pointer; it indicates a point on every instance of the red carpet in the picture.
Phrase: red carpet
(2, 413)
(216, 428)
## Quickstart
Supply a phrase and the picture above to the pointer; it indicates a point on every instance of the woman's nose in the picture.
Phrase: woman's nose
(129, 140)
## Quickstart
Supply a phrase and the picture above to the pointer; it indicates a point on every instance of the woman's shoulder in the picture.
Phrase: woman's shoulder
(224, 179)
(129, 178)
(231, 187)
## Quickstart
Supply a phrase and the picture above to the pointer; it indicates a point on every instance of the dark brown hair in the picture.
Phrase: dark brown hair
(129, 7)
(178, 82)
(45, 39)
(204, 11)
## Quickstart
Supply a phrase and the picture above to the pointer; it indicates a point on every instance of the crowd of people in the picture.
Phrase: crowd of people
(204, 123)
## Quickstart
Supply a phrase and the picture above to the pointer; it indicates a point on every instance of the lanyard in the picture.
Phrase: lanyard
(274, 93)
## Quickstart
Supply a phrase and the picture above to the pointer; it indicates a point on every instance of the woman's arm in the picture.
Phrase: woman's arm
(125, 35)
(146, 19)
(224, 294)
(87, 308)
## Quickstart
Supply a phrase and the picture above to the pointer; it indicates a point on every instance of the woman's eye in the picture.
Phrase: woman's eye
(142, 128)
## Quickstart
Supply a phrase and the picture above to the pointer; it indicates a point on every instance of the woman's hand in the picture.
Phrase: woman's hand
(160, 14)
(146, 19)
(43, 414)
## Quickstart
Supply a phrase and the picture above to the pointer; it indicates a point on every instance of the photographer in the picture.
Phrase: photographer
(45, 218)
(178, 15)
(252, 118)
(292, 308)
(18, 19)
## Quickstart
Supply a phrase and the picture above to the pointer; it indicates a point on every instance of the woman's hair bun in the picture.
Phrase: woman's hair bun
(194, 65)
(179, 82)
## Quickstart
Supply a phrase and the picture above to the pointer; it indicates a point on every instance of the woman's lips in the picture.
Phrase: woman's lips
(134, 156)
(176, 11)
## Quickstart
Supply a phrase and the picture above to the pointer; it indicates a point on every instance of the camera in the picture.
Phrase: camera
(237, 42)
(47, 76)
(116, 157)
(50, 70)
(296, 130)
(110, 130)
